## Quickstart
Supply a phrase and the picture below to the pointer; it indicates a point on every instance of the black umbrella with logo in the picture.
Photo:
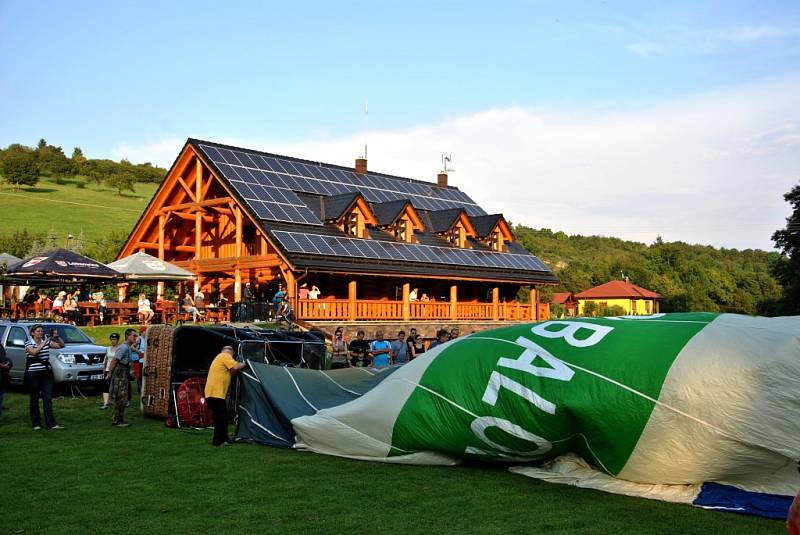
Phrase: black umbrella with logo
(60, 265)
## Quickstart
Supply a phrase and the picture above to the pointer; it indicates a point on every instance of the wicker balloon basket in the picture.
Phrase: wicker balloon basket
(157, 386)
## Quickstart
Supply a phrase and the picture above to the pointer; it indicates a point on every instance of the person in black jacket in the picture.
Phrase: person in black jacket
(5, 376)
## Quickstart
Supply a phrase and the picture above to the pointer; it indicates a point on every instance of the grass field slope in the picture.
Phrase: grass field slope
(72, 207)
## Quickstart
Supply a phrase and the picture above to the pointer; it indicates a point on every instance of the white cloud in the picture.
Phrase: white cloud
(704, 169)
(646, 49)
(751, 34)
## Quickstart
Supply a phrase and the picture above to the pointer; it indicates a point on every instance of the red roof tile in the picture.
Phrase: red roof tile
(617, 289)
(561, 297)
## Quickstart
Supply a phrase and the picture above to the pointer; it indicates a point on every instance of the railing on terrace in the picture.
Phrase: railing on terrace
(384, 310)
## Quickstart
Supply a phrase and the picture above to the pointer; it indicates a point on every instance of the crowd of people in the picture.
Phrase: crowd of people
(380, 352)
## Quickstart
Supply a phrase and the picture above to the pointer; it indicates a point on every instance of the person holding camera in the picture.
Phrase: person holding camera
(339, 351)
(39, 375)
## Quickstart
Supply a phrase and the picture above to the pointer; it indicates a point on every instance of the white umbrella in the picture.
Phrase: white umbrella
(145, 267)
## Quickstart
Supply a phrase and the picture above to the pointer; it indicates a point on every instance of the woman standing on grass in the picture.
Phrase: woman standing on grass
(39, 375)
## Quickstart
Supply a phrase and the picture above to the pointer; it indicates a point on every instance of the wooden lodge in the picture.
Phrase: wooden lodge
(369, 241)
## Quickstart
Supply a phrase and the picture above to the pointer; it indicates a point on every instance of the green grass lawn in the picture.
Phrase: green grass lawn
(67, 209)
(91, 478)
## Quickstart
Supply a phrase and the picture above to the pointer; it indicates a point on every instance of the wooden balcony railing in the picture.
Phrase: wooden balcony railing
(382, 310)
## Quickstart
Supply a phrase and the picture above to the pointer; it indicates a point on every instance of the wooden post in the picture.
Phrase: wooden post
(237, 274)
(291, 288)
(454, 302)
(237, 285)
(533, 298)
(351, 297)
(495, 303)
(406, 302)
(198, 216)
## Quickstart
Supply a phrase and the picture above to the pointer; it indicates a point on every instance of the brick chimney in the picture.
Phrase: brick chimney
(361, 166)
(442, 180)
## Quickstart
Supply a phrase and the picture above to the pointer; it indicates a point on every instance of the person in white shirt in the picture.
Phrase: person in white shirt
(145, 313)
(314, 292)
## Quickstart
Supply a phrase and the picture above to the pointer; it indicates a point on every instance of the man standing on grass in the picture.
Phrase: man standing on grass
(380, 349)
(119, 371)
(222, 368)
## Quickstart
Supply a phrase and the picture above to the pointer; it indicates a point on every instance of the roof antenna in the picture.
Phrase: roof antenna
(366, 125)
(447, 159)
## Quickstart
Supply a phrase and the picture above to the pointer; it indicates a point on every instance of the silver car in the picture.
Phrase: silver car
(79, 361)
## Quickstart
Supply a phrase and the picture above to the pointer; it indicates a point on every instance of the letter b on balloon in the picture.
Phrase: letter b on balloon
(569, 332)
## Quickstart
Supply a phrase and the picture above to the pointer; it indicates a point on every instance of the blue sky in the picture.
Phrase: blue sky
(134, 79)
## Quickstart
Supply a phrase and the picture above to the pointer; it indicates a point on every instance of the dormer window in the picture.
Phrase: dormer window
(458, 236)
(350, 212)
(497, 242)
(404, 230)
(399, 219)
(353, 224)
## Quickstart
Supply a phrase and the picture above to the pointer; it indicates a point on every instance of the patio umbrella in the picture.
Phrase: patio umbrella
(145, 267)
(60, 265)
(8, 260)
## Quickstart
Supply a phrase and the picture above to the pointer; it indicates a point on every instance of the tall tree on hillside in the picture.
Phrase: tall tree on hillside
(53, 161)
(78, 159)
(20, 166)
(122, 181)
(788, 270)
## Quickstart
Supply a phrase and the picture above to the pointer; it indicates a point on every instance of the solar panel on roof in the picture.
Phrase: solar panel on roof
(385, 188)
(317, 244)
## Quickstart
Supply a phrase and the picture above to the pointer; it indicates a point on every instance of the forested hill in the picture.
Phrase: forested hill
(690, 277)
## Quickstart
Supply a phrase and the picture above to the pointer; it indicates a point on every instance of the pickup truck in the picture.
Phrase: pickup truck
(79, 361)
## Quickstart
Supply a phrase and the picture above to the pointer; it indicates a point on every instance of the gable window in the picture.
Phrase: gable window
(458, 236)
(403, 231)
(497, 241)
(353, 224)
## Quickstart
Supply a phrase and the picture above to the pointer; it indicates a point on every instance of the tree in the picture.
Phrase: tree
(53, 162)
(122, 180)
(787, 271)
(18, 243)
(20, 166)
(78, 159)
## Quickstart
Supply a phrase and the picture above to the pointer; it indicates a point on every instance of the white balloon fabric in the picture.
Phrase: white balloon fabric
(706, 402)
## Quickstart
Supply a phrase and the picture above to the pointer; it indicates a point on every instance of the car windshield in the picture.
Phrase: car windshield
(70, 334)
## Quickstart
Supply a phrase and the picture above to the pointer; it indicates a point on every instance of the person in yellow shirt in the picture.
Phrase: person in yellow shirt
(223, 367)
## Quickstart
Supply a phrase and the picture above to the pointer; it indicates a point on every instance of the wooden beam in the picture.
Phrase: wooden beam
(155, 246)
(495, 303)
(197, 205)
(162, 221)
(186, 188)
(221, 210)
(230, 263)
(533, 299)
(193, 217)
